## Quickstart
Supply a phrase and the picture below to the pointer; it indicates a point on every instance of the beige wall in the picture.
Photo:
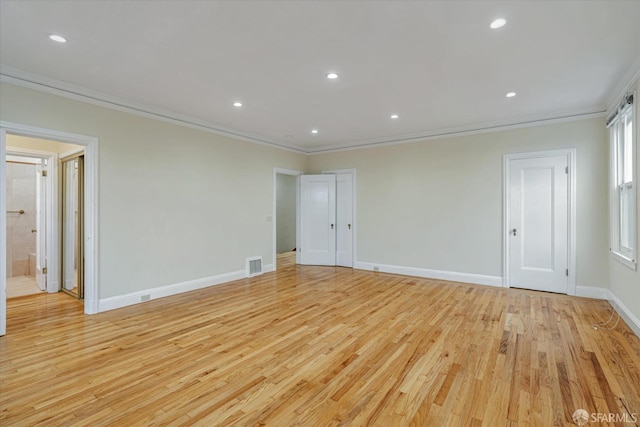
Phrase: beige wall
(17, 141)
(175, 204)
(178, 204)
(285, 213)
(624, 282)
(438, 204)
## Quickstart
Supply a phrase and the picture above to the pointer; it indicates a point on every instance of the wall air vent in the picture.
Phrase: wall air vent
(254, 266)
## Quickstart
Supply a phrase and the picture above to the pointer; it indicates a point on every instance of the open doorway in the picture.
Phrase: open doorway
(26, 211)
(32, 228)
(284, 217)
(46, 147)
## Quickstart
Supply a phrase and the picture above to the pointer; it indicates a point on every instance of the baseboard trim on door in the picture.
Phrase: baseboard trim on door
(478, 279)
(625, 313)
(119, 301)
(592, 292)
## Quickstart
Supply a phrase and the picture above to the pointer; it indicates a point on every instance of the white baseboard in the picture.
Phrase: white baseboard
(592, 292)
(625, 313)
(267, 268)
(119, 301)
(479, 279)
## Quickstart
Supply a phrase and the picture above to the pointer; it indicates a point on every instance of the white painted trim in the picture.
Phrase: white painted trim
(571, 155)
(592, 292)
(625, 84)
(475, 129)
(478, 279)
(45, 84)
(90, 196)
(625, 313)
(354, 201)
(53, 232)
(3, 241)
(274, 252)
(41, 83)
(132, 298)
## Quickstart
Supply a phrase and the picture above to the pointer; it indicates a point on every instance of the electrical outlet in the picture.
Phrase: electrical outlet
(269, 218)
(145, 297)
(376, 268)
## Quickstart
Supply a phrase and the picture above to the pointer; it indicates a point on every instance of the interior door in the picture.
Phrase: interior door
(41, 215)
(317, 219)
(538, 230)
(344, 220)
(72, 253)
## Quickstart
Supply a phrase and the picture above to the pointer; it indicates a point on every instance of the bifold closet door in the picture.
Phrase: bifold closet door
(317, 219)
(72, 233)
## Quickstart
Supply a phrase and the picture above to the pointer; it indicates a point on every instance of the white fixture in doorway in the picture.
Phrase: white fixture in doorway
(539, 245)
(91, 209)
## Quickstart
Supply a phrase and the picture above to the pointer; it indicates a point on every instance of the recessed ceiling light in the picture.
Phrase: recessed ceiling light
(57, 38)
(237, 104)
(394, 116)
(332, 76)
(497, 23)
(511, 94)
(314, 131)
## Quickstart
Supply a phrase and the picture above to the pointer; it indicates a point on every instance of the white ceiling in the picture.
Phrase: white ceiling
(435, 63)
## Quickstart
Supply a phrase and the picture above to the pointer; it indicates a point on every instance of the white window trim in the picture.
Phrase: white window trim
(629, 259)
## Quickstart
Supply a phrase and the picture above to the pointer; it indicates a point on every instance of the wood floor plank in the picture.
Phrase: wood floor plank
(318, 346)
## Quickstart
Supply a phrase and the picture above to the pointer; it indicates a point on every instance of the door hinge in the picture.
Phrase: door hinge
(44, 173)
(566, 170)
(44, 270)
(567, 271)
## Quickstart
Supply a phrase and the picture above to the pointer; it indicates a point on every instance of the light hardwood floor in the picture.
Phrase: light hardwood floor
(318, 346)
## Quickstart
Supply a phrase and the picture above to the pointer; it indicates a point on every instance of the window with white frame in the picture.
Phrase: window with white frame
(624, 182)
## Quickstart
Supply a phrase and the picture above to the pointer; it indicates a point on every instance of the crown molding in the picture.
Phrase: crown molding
(45, 84)
(478, 128)
(630, 79)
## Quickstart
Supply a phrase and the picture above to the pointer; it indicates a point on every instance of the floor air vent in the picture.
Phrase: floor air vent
(254, 266)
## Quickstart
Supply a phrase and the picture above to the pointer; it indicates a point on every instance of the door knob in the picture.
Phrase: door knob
(514, 231)
(33, 230)
(332, 226)
(349, 225)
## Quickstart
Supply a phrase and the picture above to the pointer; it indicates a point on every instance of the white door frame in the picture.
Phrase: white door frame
(51, 211)
(571, 228)
(354, 199)
(91, 209)
(291, 172)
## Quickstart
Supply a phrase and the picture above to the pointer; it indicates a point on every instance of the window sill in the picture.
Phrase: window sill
(624, 260)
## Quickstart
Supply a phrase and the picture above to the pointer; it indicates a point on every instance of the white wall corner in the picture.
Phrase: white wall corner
(120, 301)
(625, 313)
(478, 279)
(592, 292)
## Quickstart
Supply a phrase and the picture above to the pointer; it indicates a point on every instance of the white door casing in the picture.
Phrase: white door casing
(317, 219)
(344, 220)
(41, 227)
(538, 223)
(91, 211)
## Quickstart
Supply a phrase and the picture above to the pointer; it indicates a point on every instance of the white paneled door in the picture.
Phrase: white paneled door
(538, 223)
(344, 220)
(317, 219)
